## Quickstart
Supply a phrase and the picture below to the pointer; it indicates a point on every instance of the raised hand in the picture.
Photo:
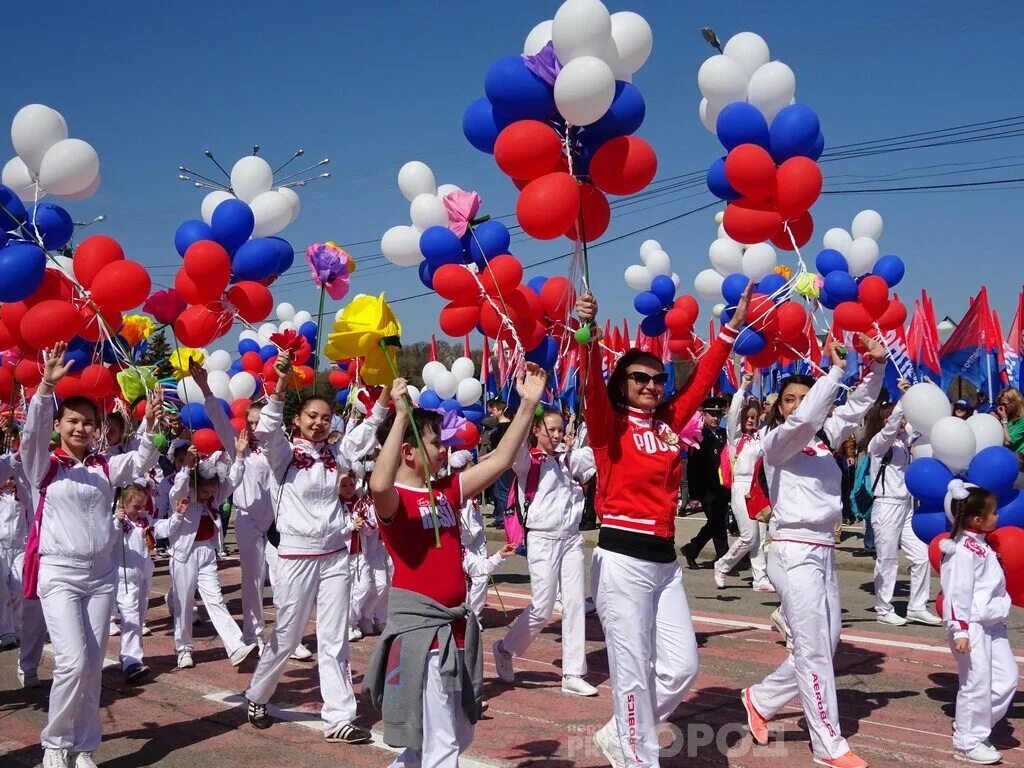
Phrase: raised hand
(283, 366)
(838, 354)
(242, 441)
(191, 457)
(531, 384)
(154, 409)
(736, 321)
(54, 367)
(399, 391)
(200, 376)
(874, 346)
(182, 507)
(903, 385)
(586, 308)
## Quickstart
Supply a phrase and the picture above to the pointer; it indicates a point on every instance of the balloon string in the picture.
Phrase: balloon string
(821, 371)
(520, 353)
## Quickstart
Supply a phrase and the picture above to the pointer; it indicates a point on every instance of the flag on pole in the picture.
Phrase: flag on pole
(899, 365)
(923, 343)
(433, 347)
(971, 352)
(465, 348)
(486, 376)
(1013, 344)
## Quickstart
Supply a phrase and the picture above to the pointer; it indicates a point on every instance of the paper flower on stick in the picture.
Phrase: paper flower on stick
(330, 267)
(165, 306)
(180, 358)
(136, 329)
(294, 343)
(136, 383)
(451, 423)
(364, 328)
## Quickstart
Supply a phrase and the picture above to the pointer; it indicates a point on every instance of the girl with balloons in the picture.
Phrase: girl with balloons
(805, 486)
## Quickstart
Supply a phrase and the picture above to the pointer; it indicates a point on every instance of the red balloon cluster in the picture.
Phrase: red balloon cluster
(1008, 543)
(775, 201)
(784, 328)
(679, 323)
(873, 306)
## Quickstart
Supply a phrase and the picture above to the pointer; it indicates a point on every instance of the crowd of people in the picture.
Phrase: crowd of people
(379, 529)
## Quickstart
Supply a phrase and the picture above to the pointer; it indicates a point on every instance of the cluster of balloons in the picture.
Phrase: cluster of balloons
(47, 161)
(252, 182)
(855, 253)
(729, 257)
(234, 393)
(656, 285)
(457, 394)
(560, 119)
(775, 329)
(259, 349)
(862, 305)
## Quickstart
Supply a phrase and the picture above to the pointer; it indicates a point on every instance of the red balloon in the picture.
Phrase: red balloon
(791, 319)
(764, 358)
(140, 409)
(468, 436)
(798, 229)
(750, 221)
(494, 324)
(207, 263)
(206, 441)
(456, 283)
(678, 322)
(527, 149)
(502, 275)
(55, 285)
(595, 213)
(49, 322)
(239, 424)
(187, 290)
(252, 300)
(750, 170)
(7, 380)
(623, 166)
(799, 185)
(682, 347)
(894, 317)
(851, 316)
(97, 381)
(92, 255)
(303, 376)
(95, 325)
(549, 205)
(873, 294)
(526, 303)
(761, 313)
(28, 372)
(531, 334)
(558, 297)
(8, 339)
(12, 314)
(270, 374)
(935, 552)
(240, 407)
(121, 285)
(939, 600)
(252, 362)
(459, 319)
(689, 306)
(197, 326)
(1008, 542)
(339, 379)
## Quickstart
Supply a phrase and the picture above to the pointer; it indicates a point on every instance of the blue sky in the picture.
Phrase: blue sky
(373, 85)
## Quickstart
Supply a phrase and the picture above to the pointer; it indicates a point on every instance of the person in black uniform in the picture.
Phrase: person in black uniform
(702, 476)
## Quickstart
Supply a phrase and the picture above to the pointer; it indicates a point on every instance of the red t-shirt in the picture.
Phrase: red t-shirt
(420, 566)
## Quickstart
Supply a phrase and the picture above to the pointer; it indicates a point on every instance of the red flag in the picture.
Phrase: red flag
(1014, 337)
(433, 347)
(465, 348)
(485, 366)
(1001, 353)
(502, 364)
(923, 338)
(814, 348)
(625, 335)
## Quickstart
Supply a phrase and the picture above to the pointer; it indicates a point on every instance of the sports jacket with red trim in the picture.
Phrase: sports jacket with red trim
(973, 584)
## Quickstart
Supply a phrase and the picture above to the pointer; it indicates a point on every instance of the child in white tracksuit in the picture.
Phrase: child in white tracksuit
(975, 610)
(554, 551)
(134, 575)
(13, 532)
(471, 529)
(370, 573)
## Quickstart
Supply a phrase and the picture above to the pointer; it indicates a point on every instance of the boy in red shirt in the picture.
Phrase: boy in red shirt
(425, 675)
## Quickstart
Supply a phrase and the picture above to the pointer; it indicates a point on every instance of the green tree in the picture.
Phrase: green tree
(157, 352)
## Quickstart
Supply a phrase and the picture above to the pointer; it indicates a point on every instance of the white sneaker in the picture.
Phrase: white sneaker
(242, 653)
(55, 758)
(589, 607)
(892, 618)
(719, 578)
(185, 660)
(301, 653)
(82, 760)
(924, 617)
(114, 630)
(764, 586)
(579, 686)
(503, 661)
(31, 680)
(606, 741)
(354, 634)
(146, 631)
(983, 754)
(779, 621)
(558, 606)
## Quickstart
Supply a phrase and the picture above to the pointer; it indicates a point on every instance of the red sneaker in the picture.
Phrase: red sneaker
(849, 760)
(758, 725)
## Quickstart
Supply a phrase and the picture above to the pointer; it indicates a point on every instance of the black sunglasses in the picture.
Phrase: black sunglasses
(643, 379)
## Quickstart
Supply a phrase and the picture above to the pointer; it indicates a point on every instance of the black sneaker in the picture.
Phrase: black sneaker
(136, 672)
(349, 734)
(258, 717)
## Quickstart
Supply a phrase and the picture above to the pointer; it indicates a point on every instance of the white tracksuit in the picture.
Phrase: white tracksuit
(194, 563)
(752, 532)
(371, 571)
(890, 519)
(804, 483)
(13, 531)
(77, 571)
(976, 606)
(134, 577)
(554, 553)
(474, 539)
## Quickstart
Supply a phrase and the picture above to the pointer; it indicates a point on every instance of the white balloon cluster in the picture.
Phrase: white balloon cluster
(860, 244)
(654, 262)
(459, 382)
(47, 160)
(729, 257)
(595, 48)
(289, 320)
(951, 440)
(223, 385)
(252, 181)
(744, 72)
(401, 244)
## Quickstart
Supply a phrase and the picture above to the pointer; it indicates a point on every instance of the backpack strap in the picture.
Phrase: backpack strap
(886, 461)
(532, 480)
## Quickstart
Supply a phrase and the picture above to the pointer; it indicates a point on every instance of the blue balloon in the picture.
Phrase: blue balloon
(474, 413)
(426, 273)
(794, 131)
(818, 148)
(451, 405)
(285, 254)
(308, 329)
(891, 269)
(994, 468)
(749, 342)
(928, 480)
(830, 260)
(232, 224)
(719, 184)
(235, 367)
(653, 325)
(440, 245)
(544, 354)
(826, 300)
(1012, 513)
(647, 303)
(54, 224)
(110, 355)
(516, 92)
(191, 231)
(841, 286)
(772, 284)
(22, 266)
(255, 259)
(489, 239)
(536, 284)
(727, 314)
(268, 353)
(429, 399)
(663, 287)
(624, 116)
(927, 525)
(733, 287)
(481, 124)
(80, 352)
(193, 416)
(12, 210)
(742, 123)
(342, 395)
(248, 345)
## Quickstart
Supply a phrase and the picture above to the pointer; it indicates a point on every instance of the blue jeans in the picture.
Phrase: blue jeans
(501, 488)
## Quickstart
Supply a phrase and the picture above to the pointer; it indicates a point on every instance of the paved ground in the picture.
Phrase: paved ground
(896, 688)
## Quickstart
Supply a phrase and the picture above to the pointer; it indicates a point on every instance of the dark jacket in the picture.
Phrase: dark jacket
(704, 463)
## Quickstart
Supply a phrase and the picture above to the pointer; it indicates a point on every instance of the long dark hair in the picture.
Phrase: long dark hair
(775, 414)
(617, 381)
(964, 509)
(875, 419)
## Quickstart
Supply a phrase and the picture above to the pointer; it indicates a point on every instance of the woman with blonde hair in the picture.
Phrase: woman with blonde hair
(1010, 407)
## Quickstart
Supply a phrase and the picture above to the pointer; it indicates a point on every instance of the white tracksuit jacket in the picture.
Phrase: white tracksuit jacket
(973, 584)
(181, 530)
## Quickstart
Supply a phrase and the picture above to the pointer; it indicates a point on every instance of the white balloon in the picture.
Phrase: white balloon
(416, 178)
(189, 391)
(266, 331)
(247, 334)
(337, 315)
(987, 429)
(428, 211)
(17, 177)
(647, 247)
(463, 369)
(220, 384)
(658, 263)
(862, 255)
(242, 384)
(771, 88)
(723, 236)
(638, 278)
(272, 212)
(748, 50)
(69, 167)
(285, 311)
(34, 130)
(921, 451)
(633, 39)
(718, 309)
(580, 28)
(924, 404)
(414, 394)
(708, 285)
(85, 193)
(293, 199)
(539, 36)
(251, 177)
(210, 203)
(719, 217)
(838, 239)
(867, 224)
(953, 443)
(445, 384)
(220, 360)
(726, 256)
(469, 391)
(401, 245)
(675, 279)
(287, 325)
(722, 80)
(443, 190)
(758, 261)
(302, 316)
(431, 371)
(584, 90)
(709, 113)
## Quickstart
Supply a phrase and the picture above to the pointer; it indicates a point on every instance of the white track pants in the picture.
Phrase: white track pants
(447, 731)
(76, 603)
(11, 562)
(478, 584)
(200, 570)
(257, 559)
(805, 577)
(752, 535)
(554, 563)
(988, 680)
(132, 603)
(33, 637)
(369, 605)
(652, 650)
(890, 520)
(302, 583)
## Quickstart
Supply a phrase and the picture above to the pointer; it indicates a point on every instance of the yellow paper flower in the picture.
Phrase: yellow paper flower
(364, 324)
(783, 270)
(179, 360)
(137, 328)
(808, 285)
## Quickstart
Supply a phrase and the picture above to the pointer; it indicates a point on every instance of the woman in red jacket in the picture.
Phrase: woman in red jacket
(636, 579)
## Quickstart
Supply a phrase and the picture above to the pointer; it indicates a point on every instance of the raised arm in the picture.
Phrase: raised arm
(361, 439)
(847, 417)
(793, 435)
(128, 467)
(733, 427)
(230, 483)
(385, 468)
(598, 415)
(680, 409)
(886, 437)
(34, 451)
(180, 487)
